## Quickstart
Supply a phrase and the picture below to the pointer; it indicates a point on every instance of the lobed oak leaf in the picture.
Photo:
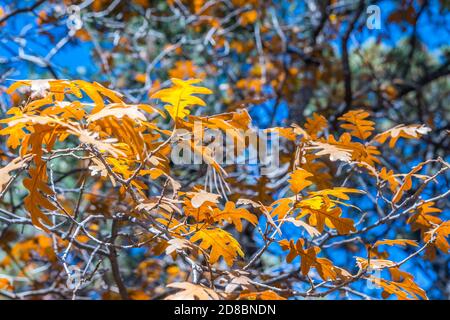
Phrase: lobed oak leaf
(236, 280)
(234, 215)
(91, 138)
(148, 205)
(361, 153)
(177, 244)
(308, 256)
(357, 123)
(287, 133)
(390, 177)
(58, 88)
(170, 223)
(199, 198)
(117, 110)
(328, 271)
(413, 131)
(315, 124)
(181, 96)
(36, 198)
(338, 192)
(404, 290)
(374, 264)
(407, 183)
(424, 219)
(244, 202)
(298, 180)
(222, 244)
(439, 236)
(322, 212)
(66, 110)
(15, 164)
(97, 92)
(16, 129)
(333, 152)
(265, 211)
(321, 175)
(190, 291)
(399, 242)
(281, 207)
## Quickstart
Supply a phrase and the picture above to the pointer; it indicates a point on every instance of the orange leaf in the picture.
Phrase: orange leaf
(298, 180)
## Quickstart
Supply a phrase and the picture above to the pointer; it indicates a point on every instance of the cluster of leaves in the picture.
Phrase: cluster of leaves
(98, 182)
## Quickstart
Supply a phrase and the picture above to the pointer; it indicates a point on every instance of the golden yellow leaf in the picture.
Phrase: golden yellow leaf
(323, 212)
(181, 96)
(222, 244)
(338, 192)
(299, 180)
